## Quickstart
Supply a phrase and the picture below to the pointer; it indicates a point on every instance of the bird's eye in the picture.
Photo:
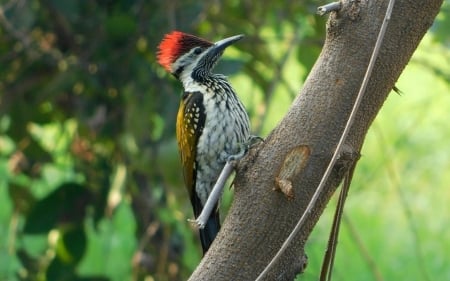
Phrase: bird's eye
(198, 50)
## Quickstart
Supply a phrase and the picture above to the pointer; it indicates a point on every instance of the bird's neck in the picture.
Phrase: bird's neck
(192, 83)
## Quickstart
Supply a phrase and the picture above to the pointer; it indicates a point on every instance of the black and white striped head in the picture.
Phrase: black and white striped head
(189, 57)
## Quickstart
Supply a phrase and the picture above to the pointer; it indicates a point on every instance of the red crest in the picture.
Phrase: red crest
(176, 44)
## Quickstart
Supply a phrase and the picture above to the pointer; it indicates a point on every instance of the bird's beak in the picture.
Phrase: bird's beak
(221, 45)
(212, 55)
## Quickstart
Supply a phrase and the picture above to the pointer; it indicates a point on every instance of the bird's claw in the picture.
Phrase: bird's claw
(253, 140)
(198, 222)
(246, 146)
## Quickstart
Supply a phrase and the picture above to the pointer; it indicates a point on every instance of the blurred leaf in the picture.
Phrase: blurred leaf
(66, 205)
(7, 145)
(114, 236)
(9, 264)
(58, 270)
(72, 245)
(5, 123)
(54, 137)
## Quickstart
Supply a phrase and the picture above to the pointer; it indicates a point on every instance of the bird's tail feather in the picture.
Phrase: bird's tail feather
(209, 232)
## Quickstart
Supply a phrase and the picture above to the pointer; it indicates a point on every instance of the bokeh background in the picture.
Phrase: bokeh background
(90, 179)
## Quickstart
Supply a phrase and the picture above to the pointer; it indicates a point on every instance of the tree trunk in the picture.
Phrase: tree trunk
(300, 148)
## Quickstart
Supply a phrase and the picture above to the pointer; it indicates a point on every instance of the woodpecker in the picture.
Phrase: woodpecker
(212, 123)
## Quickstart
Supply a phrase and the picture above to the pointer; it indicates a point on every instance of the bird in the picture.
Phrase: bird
(212, 123)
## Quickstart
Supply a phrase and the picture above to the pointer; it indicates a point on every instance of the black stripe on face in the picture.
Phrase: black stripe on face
(177, 72)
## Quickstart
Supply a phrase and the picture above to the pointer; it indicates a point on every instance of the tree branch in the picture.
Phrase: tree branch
(260, 219)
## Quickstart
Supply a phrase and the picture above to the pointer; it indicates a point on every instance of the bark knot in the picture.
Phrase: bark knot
(293, 164)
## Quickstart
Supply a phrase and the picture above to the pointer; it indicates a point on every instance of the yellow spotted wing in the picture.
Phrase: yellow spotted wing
(190, 123)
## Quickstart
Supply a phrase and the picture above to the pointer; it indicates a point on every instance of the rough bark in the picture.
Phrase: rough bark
(260, 217)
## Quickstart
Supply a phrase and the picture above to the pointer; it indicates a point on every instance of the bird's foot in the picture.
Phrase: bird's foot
(199, 222)
(245, 147)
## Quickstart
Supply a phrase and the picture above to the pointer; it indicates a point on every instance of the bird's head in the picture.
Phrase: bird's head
(183, 54)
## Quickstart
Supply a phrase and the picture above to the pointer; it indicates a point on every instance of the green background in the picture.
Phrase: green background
(90, 179)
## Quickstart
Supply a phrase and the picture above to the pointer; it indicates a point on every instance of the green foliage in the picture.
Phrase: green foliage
(90, 182)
